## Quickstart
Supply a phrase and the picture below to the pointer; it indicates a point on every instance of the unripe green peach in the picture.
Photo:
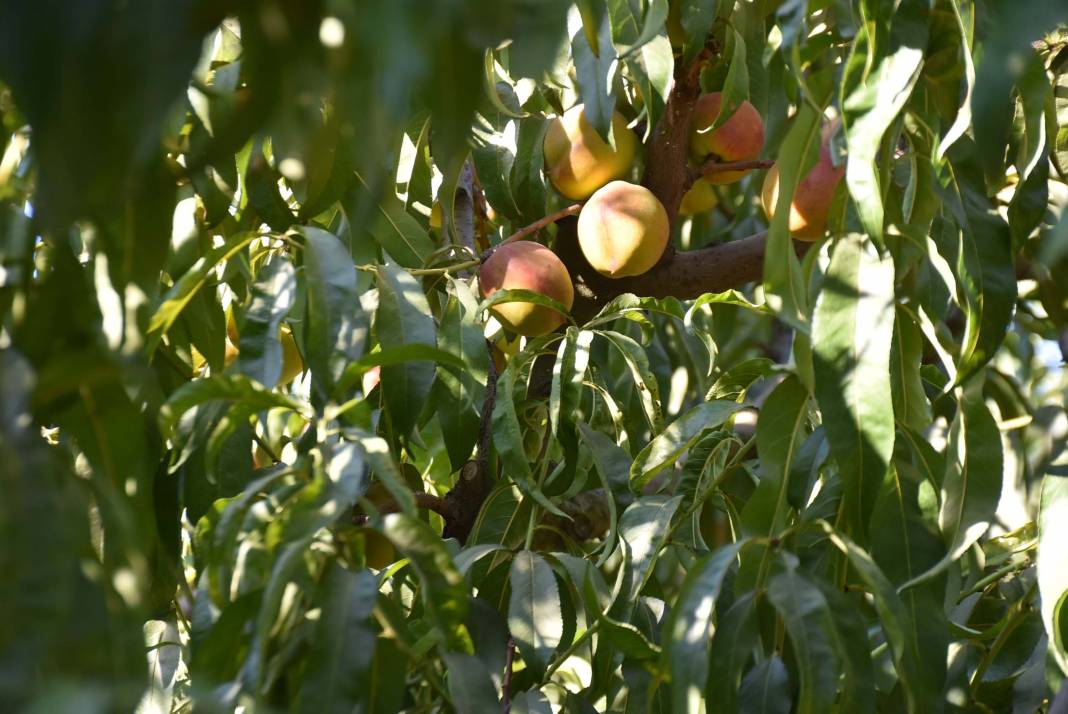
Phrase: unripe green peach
(525, 265)
(812, 198)
(740, 138)
(623, 230)
(700, 198)
(578, 161)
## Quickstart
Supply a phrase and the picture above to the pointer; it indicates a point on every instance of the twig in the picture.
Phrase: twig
(537, 225)
(422, 500)
(506, 685)
(266, 448)
(716, 167)
(455, 267)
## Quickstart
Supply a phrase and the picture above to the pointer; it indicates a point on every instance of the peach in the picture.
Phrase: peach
(623, 230)
(526, 265)
(578, 161)
(740, 138)
(700, 198)
(812, 198)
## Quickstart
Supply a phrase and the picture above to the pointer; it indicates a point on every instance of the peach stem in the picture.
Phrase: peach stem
(537, 225)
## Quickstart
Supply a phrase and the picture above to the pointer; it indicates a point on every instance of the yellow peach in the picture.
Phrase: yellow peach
(623, 230)
(578, 161)
(740, 138)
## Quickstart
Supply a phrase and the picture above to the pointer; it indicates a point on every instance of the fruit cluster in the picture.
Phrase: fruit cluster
(623, 229)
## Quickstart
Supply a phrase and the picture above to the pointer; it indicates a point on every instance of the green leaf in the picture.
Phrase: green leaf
(662, 452)
(736, 85)
(766, 689)
(780, 433)
(336, 678)
(444, 589)
(980, 252)
(697, 17)
(233, 388)
(527, 176)
(403, 318)
(470, 685)
(689, 629)
(874, 94)
(519, 295)
(971, 486)
(336, 328)
(644, 380)
(180, 294)
(911, 407)
(809, 623)
(534, 615)
(397, 232)
(733, 643)
(595, 70)
(643, 531)
(459, 396)
(1053, 561)
(852, 332)
(784, 282)
(273, 295)
(899, 627)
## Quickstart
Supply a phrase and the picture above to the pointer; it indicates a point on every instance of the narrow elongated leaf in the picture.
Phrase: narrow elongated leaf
(404, 318)
(397, 232)
(273, 295)
(732, 646)
(810, 625)
(644, 379)
(1053, 562)
(534, 615)
(470, 685)
(766, 689)
(971, 485)
(444, 589)
(686, 640)
(898, 625)
(852, 332)
(780, 432)
(336, 328)
(643, 529)
(178, 297)
(662, 451)
(784, 285)
(339, 663)
(911, 407)
(873, 97)
(236, 388)
(595, 70)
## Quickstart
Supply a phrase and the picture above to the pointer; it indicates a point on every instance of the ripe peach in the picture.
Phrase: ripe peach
(700, 198)
(740, 138)
(578, 161)
(623, 230)
(525, 265)
(812, 198)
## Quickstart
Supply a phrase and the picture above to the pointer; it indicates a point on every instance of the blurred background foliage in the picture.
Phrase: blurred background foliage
(238, 372)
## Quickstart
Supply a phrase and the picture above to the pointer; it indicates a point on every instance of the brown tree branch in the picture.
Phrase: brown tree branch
(666, 174)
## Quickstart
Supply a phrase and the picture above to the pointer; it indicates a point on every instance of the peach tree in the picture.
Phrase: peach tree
(534, 356)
